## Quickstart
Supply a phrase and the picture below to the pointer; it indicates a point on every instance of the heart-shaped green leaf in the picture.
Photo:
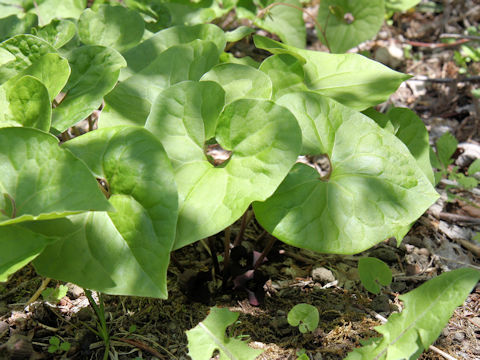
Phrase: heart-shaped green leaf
(130, 101)
(347, 78)
(263, 137)
(19, 247)
(240, 81)
(347, 23)
(26, 103)
(41, 181)
(373, 191)
(57, 32)
(400, 5)
(372, 272)
(305, 316)
(27, 49)
(147, 52)
(127, 251)
(113, 26)
(95, 71)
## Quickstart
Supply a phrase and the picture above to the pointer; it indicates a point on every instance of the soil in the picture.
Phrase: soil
(439, 241)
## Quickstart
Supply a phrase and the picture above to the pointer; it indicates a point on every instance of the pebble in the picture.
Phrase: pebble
(459, 336)
(380, 303)
(386, 254)
(398, 286)
(322, 275)
(74, 290)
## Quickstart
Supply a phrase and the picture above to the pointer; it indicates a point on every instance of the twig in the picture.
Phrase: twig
(264, 253)
(457, 218)
(448, 80)
(436, 45)
(460, 36)
(143, 346)
(42, 287)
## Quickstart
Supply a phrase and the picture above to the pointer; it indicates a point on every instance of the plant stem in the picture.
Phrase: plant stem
(265, 251)
(213, 254)
(42, 287)
(101, 323)
(245, 220)
(226, 256)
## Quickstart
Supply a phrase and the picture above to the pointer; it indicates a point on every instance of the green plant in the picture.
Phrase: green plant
(446, 146)
(113, 203)
(305, 316)
(373, 273)
(209, 335)
(102, 330)
(54, 295)
(56, 345)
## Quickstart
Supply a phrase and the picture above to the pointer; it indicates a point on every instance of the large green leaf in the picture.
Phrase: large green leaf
(375, 188)
(47, 10)
(42, 181)
(148, 51)
(95, 71)
(186, 12)
(25, 103)
(284, 19)
(130, 101)
(113, 26)
(125, 252)
(351, 79)
(240, 81)
(264, 139)
(57, 32)
(51, 69)
(347, 23)
(14, 25)
(27, 49)
(19, 247)
(427, 310)
(209, 335)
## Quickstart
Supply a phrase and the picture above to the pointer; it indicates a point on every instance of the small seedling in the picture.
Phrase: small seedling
(301, 355)
(54, 295)
(304, 316)
(373, 273)
(57, 345)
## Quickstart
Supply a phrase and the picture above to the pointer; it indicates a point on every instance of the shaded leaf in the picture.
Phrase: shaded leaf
(209, 335)
(42, 180)
(130, 101)
(374, 191)
(348, 23)
(19, 247)
(113, 26)
(14, 25)
(238, 34)
(373, 272)
(446, 146)
(125, 252)
(148, 51)
(95, 71)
